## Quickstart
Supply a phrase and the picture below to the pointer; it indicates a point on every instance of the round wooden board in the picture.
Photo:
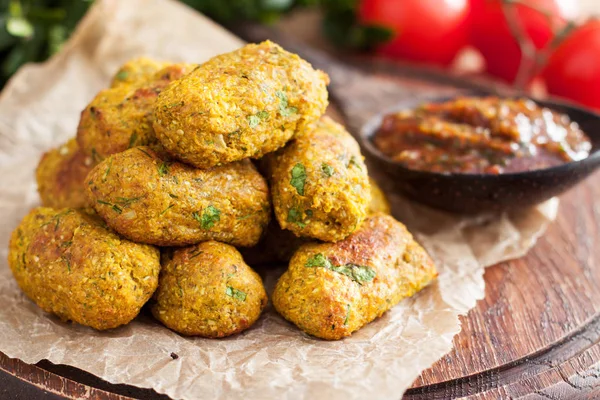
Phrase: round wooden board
(535, 335)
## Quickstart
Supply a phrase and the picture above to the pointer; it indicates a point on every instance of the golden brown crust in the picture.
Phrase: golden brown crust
(379, 201)
(208, 290)
(121, 117)
(332, 289)
(71, 265)
(61, 175)
(151, 200)
(279, 245)
(319, 183)
(137, 71)
(241, 104)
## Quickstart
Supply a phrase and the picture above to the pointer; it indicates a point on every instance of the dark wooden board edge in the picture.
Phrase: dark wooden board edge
(553, 366)
(565, 370)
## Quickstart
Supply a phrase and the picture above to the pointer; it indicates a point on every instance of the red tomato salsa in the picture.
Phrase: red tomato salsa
(481, 135)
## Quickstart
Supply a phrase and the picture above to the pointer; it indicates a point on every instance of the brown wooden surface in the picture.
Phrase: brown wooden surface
(536, 335)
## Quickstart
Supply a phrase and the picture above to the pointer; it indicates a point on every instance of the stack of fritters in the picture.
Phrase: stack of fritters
(162, 158)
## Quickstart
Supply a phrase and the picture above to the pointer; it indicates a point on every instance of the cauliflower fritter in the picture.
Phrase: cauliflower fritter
(241, 104)
(208, 290)
(319, 183)
(137, 71)
(278, 245)
(153, 200)
(71, 265)
(61, 175)
(379, 201)
(121, 117)
(333, 289)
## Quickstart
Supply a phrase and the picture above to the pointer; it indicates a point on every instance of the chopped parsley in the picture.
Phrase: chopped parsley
(145, 152)
(358, 273)
(125, 201)
(210, 216)
(298, 178)
(254, 120)
(347, 314)
(107, 170)
(354, 161)
(166, 209)
(68, 262)
(57, 217)
(284, 109)
(132, 139)
(122, 75)
(235, 293)
(196, 254)
(115, 207)
(327, 169)
(319, 260)
(295, 216)
(95, 156)
(163, 169)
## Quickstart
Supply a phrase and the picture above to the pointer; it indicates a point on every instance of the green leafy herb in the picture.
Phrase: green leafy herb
(298, 178)
(166, 209)
(163, 169)
(347, 314)
(57, 217)
(68, 262)
(235, 293)
(95, 156)
(319, 260)
(210, 216)
(284, 109)
(115, 207)
(243, 217)
(354, 161)
(196, 254)
(107, 169)
(327, 169)
(145, 152)
(122, 75)
(132, 139)
(254, 120)
(171, 195)
(125, 201)
(295, 216)
(358, 273)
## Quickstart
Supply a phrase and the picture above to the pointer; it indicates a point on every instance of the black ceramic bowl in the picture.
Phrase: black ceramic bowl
(477, 193)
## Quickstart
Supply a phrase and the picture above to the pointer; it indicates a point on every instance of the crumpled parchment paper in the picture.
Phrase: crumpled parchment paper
(273, 360)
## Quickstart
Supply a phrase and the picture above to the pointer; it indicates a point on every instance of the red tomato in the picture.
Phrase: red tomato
(492, 36)
(430, 31)
(573, 69)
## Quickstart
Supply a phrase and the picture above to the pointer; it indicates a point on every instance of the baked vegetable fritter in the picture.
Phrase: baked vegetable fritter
(379, 201)
(332, 289)
(278, 245)
(61, 175)
(320, 184)
(121, 117)
(208, 290)
(137, 71)
(153, 200)
(71, 265)
(241, 104)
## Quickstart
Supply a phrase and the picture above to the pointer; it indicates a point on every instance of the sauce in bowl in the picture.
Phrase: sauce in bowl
(475, 135)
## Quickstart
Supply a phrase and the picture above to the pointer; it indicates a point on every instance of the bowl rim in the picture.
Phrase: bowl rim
(367, 131)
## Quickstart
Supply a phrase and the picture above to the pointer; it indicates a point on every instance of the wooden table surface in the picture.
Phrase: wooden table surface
(535, 335)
